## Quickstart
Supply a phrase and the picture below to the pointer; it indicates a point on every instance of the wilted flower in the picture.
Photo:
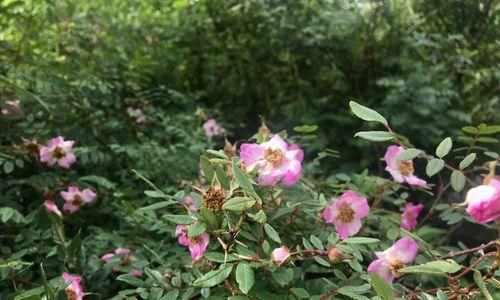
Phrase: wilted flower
(75, 198)
(50, 206)
(346, 213)
(213, 199)
(197, 245)
(410, 215)
(396, 257)
(275, 159)
(74, 291)
(11, 106)
(483, 202)
(126, 259)
(280, 255)
(137, 114)
(401, 171)
(212, 128)
(58, 151)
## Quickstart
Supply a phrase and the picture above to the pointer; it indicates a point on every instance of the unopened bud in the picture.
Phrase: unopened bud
(335, 255)
(279, 255)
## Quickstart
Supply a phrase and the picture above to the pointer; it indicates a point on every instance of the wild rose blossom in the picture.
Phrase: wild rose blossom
(346, 213)
(10, 106)
(280, 255)
(401, 171)
(391, 260)
(51, 206)
(74, 291)
(197, 245)
(188, 200)
(75, 198)
(212, 128)
(58, 151)
(410, 215)
(483, 202)
(127, 259)
(137, 114)
(275, 159)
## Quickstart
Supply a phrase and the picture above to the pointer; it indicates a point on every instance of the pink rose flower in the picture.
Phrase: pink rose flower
(275, 159)
(391, 260)
(279, 255)
(11, 106)
(75, 198)
(58, 151)
(483, 202)
(136, 272)
(346, 213)
(188, 200)
(212, 128)
(126, 259)
(51, 206)
(137, 114)
(74, 290)
(401, 171)
(410, 215)
(107, 257)
(197, 245)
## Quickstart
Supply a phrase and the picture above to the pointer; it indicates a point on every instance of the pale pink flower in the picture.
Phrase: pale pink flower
(188, 200)
(107, 257)
(74, 291)
(75, 198)
(346, 213)
(11, 106)
(137, 114)
(58, 151)
(197, 245)
(136, 272)
(275, 159)
(212, 128)
(483, 202)
(391, 260)
(51, 206)
(279, 255)
(401, 171)
(126, 259)
(410, 215)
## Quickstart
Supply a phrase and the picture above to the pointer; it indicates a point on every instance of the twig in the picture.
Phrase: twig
(467, 251)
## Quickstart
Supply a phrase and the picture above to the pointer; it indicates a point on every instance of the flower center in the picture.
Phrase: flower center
(405, 167)
(213, 199)
(126, 260)
(58, 153)
(274, 157)
(78, 200)
(71, 294)
(193, 240)
(346, 213)
(395, 266)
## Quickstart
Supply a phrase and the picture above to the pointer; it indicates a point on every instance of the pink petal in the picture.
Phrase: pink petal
(136, 273)
(123, 251)
(70, 208)
(404, 250)
(251, 153)
(67, 160)
(292, 174)
(413, 180)
(381, 267)
(398, 177)
(107, 257)
(88, 195)
(50, 206)
(297, 152)
(391, 154)
(328, 214)
(358, 203)
(276, 143)
(349, 229)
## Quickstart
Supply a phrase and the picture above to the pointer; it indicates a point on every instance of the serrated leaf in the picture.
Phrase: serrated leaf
(375, 136)
(444, 147)
(434, 166)
(321, 261)
(207, 167)
(215, 277)
(316, 242)
(457, 180)
(239, 203)
(408, 154)
(381, 287)
(366, 113)
(244, 277)
(271, 232)
(300, 292)
(467, 161)
(196, 229)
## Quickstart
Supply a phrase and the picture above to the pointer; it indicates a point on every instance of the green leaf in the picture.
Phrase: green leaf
(316, 242)
(271, 232)
(220, 257)
(49, 293)
(259, 216)
(322, 261)
(213, 278)
(467, 161)
(8, 167)
(283, 277)
(196, 229)
(361, 240)
(306, 128)
(434, 268)
(434, 166)
(375, 136)
(478, 279)
(179, 219)
(208, 217)
(100, 181)
(207, 167)
(444, 147)
(243, 180)
(158, 205)
(382, 288)
(408, 154)
(366, 113)
(492, 129)
(489, 140)
(457, 180)
(129, 279)
(156, 194)
(300, 292)
(238, 203)
(244, 277)
(470, 129)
